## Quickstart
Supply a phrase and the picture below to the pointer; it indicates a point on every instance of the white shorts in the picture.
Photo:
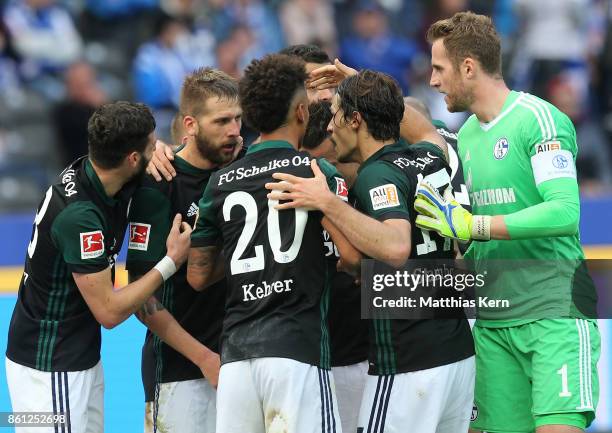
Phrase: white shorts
(77, 394)
(187, 406)
(350, 381)
(274, 395)
(436, 400)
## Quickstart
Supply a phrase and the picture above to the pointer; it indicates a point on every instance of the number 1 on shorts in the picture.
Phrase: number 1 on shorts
(564, 389)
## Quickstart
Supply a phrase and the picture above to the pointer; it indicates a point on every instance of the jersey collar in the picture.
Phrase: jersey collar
(97, 184)
(271, 144)
(188, 168)
(511, 101)
(399, 145)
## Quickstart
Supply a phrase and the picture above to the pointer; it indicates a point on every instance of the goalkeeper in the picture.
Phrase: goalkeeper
(537, 361)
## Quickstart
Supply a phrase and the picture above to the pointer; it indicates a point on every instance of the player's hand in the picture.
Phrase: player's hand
(343, 266)
(329, 76)
(161, 162)
(178, 241)
(440, 214)
(309, 193)
(210, 366)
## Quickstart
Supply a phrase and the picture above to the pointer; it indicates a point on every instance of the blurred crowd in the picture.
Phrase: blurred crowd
(60, 59)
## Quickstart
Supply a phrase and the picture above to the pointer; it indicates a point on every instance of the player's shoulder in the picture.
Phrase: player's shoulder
(148, 182)
(444, 130)
(470, 125)
(328, 169)
(71, 186)
(77, 214)
(534, 113)
(378, 172)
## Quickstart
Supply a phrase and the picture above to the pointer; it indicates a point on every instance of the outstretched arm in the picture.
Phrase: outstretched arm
(388, 241)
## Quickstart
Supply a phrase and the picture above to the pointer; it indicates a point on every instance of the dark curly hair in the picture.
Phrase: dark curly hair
(379, 100)
(268, 88)
(310, 53)
(117, 129)
(316, 131)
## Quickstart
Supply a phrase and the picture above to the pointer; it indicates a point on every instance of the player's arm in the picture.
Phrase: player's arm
(205, 265)
(112, 306)
(415, 127)
(159, 321)
(554, 174)
(350, 257)
(387, 241)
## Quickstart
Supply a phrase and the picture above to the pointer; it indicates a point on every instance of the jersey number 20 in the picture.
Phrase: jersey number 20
(257, 263)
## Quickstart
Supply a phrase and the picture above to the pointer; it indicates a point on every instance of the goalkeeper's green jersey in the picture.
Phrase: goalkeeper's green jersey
(507, 162)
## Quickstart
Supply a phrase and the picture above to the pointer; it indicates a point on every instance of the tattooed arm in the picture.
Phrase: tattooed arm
(159, 320)
(205, 267)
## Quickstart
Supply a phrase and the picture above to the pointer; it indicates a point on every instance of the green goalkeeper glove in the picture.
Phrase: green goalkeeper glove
(447, 217)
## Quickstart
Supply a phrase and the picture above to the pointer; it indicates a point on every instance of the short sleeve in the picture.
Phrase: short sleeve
(550, 138)
(206, 231)
(78, 233)
(382, 192)
(150, 222)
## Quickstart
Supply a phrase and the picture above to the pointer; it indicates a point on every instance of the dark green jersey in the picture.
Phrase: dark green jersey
(274, 260)
(460, 190)
(200, 313)
(385, 189)
(348, 332)
(77, 228)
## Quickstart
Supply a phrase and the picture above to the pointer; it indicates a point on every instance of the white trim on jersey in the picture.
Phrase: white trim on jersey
(584, 362)
(542, 113)
(487, 126)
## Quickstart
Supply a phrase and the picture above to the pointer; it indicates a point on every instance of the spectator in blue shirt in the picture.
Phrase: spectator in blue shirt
(45, 37)
(162, 64)
(374, 46)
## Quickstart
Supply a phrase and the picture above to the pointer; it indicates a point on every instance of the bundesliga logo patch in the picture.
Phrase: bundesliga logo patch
(384, 196)
(92, 244)
(139, 236)
(341, 188)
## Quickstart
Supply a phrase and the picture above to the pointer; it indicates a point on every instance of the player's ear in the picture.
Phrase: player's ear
(356, 120)
(190, 124)
(468, 67)
(133, 159)
(301, 113)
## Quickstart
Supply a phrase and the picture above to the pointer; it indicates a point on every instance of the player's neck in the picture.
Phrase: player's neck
(192, 155)
(112, 180)
(368, 146)
(284, 133)
(489, 99)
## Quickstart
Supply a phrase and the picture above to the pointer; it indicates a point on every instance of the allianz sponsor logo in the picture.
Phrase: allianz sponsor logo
(252, 292)
(493, 196)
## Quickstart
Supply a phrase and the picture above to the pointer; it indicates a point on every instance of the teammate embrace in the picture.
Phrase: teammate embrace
(276, 246)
